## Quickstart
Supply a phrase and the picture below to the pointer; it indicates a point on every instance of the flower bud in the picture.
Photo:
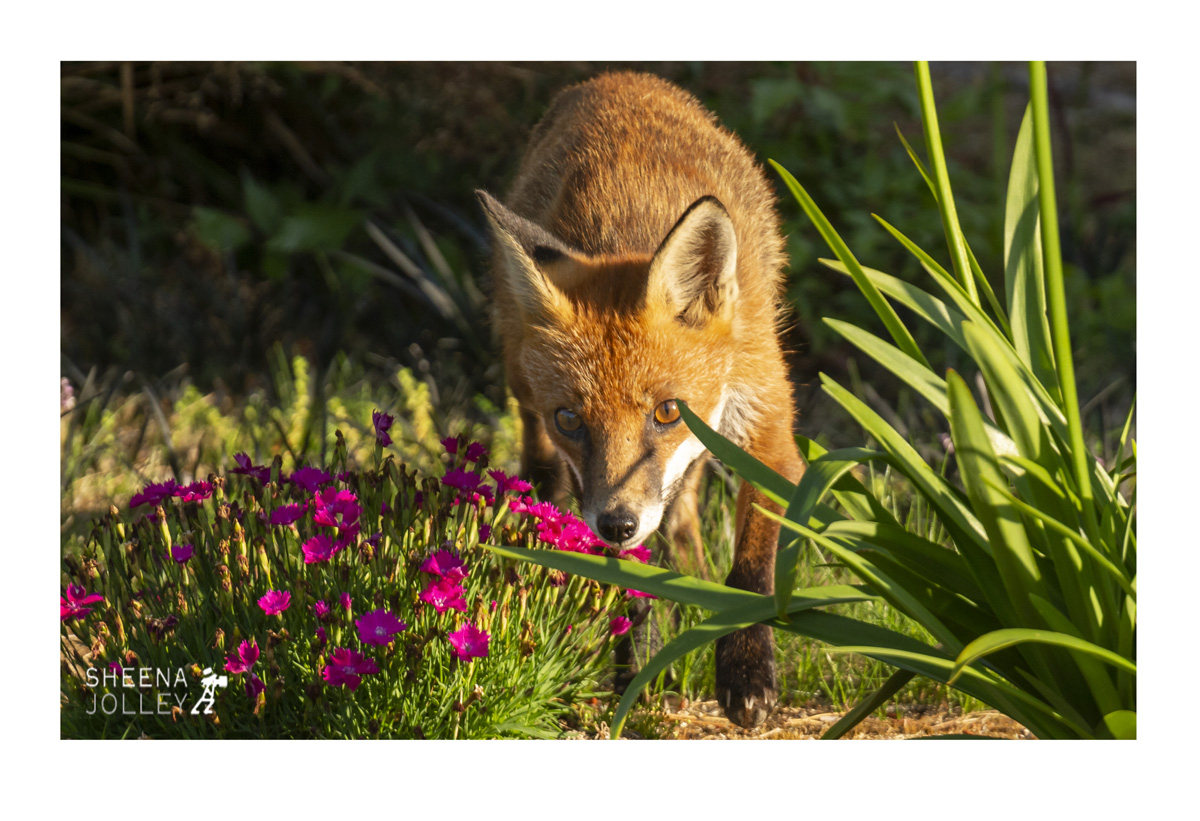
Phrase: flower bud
(218, 642)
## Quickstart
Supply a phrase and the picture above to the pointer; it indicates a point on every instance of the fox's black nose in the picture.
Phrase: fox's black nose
(617, 526)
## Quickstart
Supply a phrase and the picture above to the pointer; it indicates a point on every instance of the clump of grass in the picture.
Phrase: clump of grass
(336, 602)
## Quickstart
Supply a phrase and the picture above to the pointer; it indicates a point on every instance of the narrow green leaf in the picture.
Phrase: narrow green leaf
(775, 487)
(1024, 283)
(761, 609)
(1010, 546)
(1010, 637)
(1122, 724)
(666, 584)
(859, 502)
(821, 475)
(882, 308)
(1056, 293)
(941, 179)
(964, 528)
(868, 705)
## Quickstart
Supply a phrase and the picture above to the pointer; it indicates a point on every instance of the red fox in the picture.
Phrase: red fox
(638, 262)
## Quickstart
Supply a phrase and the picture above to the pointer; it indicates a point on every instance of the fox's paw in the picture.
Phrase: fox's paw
(746, 687)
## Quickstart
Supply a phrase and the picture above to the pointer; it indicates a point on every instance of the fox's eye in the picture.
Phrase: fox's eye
(568, 421)
(667, 413)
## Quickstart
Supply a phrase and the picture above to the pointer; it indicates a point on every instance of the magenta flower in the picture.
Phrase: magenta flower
(347, 667)
(321, 635)
(506, 483)
(485, 532)
(461, 479)
(620, 626)
(254, 686)
(450, 443)
(319, 548)
(445, 564)
(574, 536)
(379, 626)
(74, 605)
(322, 610)
(243, 659)
(275, 601)
(444, 594)
(310, 478)
(287, 514)
(182, 552)
(336, 508)
(641, 553)
(469, 642)
(382, 422)
(154, 494)
(638, 594)
(247, 468)
(345, 601)
(195, 492)
(475, 450)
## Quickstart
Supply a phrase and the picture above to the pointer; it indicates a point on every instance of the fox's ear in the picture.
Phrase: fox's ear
(529, 258)
(694, 271)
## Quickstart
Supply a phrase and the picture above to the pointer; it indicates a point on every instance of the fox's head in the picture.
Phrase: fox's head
(606, 346)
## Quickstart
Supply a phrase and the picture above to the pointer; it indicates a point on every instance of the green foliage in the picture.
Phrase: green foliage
(1029, 600)
(547, 654)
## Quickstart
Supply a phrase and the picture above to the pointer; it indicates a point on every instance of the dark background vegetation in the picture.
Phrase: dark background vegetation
(213, 210)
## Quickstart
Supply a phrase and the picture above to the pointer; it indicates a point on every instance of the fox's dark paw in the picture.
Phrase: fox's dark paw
(746, 687)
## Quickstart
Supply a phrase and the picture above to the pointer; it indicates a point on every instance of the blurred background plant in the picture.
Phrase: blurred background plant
(253, 254)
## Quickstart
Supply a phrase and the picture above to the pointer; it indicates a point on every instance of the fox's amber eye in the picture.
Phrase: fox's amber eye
(568, 421)
(667, 413)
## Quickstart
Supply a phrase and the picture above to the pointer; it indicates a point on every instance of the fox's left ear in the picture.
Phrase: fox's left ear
(694, 272)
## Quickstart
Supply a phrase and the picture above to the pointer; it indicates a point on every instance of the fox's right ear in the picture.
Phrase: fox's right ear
(529, 256)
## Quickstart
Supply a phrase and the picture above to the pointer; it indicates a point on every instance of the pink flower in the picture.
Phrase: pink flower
(444, 594)
(485, 532)
(379, 626)
(195, 492)
(347, 667)
(154, 494)
(505, 483)
(275, 601)
(345, 601)
(321, 635)
(73, 606)
(469, 642)
(322, 610)
(450, 443)
(461, 479)
(445, 564)
(382, 422)
(641, 553)
(319, 548)
(260, 472)
(287, 514)
(638, 594)
(243, 659)
(475, 450)
(254, 686)
(310, 478)
(181, 552)
(620, 626)
(336, 508)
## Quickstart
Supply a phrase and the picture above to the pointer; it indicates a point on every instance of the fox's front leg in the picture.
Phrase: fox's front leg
(746, 686)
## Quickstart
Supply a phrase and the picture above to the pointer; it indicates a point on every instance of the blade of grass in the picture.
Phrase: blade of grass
(945, 198)
(882, 308)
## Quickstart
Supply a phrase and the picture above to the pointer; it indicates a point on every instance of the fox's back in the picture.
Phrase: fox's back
(617, 159)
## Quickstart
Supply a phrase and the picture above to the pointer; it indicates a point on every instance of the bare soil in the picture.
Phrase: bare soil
(704, 720)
